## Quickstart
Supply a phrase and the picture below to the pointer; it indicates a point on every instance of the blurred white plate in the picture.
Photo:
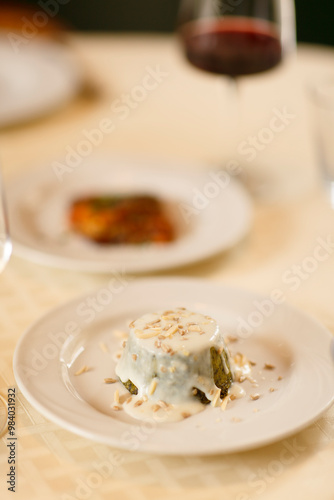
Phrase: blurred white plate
(35, 78)
(38, 206)
(69, 337)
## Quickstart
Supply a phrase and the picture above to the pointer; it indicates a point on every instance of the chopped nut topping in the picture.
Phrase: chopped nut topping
(272, 389)
(254, 397)
(163, 369)
(171, 330)
(224, 403)
(216, 397)
(129, 400)
(116, 396)
(185, 414)
(82, 370)
(194, 328)
(230, 339)
(110, 380)
(152, 323)
(162, 404)
(124, 343)
(166, 348)
(116, 408)
(140, 334)
(103, 347)
(134, 357)
(152, 387)
(120, 333)
(279, 377)
(138, 403)
(156, 408)
(172, 369)
(269, 366)
(194, 392)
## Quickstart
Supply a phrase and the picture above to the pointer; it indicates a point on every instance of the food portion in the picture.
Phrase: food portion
(174, 363)
(133, 219)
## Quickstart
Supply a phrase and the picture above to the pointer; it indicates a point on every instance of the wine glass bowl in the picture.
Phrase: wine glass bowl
(243, 40)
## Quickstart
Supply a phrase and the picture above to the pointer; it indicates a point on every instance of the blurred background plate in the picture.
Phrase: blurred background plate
(37, 76)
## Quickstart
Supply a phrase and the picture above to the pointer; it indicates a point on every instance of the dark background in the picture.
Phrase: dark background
(315, 18)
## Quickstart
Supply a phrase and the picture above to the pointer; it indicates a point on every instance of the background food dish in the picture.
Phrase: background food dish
(42, 234)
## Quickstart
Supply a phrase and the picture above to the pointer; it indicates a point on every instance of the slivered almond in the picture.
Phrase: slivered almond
(152, 387)
(171, 330)
(140, 334)
(166, 348)
(156, 408)
(194, 328)
(224, 403)
(116, 396)
(82, 370)
(269, 366)
(103, 347)
(216, 397)
(110, 380)
(152, 323)
(138, 403)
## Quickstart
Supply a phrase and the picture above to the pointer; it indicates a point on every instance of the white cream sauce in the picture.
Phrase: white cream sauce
(172, 349)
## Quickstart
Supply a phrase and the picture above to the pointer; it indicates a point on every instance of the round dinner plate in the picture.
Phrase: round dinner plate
(211, 212)
(35, 78)
(292, 377)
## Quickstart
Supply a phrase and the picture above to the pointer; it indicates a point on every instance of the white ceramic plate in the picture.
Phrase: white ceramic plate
(35, 79)
(60, 343)
(38, 205)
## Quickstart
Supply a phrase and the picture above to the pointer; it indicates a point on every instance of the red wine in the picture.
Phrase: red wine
(232, 46)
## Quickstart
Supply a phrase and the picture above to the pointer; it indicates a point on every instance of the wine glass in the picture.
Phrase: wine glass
(5, 253)
(236, 38)
(5, 241)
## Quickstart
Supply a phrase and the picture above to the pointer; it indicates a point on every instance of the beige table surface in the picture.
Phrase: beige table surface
(187, 117)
